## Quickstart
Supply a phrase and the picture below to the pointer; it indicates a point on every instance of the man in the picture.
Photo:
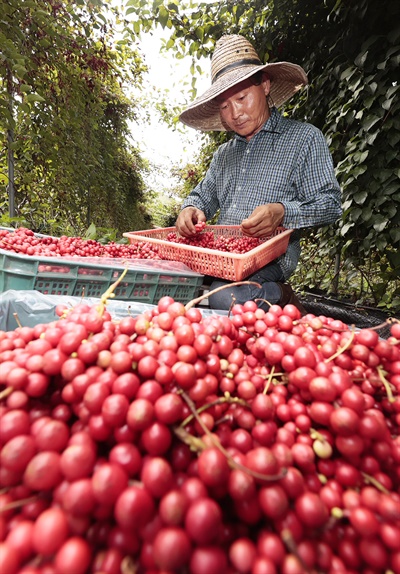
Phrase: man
(273, 172)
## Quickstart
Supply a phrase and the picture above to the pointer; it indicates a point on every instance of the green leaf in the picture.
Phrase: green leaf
(380, 223)
(391, 91)
(41, 14)
(391, 188)
(91, 232)
(200, 33)
(25, 88)
(391, 211)
(163, 16)
(34, 98)
(136, 27)
(371, 138)
(394, 233)
(355, 214)
(370, 121)
(193, 48)
(367, 214)
(347, 73)
(345, 228)
(381, 242)
(25, 108)
(360, 197)
(361, 157)
(360, 60)
(387, 104)
(19, 70)
(44, 43)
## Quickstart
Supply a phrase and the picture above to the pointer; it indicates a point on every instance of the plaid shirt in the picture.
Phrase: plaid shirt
(287, 162)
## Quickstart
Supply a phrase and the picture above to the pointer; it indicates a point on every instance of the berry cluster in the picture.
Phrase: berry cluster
(209, 240)
(200, 226)
(25, 242)
(257, 443)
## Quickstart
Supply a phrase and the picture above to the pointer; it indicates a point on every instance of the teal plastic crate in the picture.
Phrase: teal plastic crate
(144, 282)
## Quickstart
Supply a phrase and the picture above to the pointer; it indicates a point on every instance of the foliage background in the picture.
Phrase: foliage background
(351, 52)
(64, 112)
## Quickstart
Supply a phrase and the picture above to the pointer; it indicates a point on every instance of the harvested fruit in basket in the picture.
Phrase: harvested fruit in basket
(208, 240)
(25, 242)
(200, 226)
(177, 442)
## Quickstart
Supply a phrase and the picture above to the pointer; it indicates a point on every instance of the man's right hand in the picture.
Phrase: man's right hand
(187, 219)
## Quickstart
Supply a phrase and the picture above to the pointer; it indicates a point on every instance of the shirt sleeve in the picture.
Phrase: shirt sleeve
(318, 199)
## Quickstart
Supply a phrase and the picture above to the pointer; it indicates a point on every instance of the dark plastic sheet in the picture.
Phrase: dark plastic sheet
(360, 317)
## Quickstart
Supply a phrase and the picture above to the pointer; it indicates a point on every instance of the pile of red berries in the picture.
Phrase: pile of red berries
(210, 240)
(25, 242)
(262, 442)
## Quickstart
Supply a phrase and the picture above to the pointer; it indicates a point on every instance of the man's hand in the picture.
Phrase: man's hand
(188, 217)
(264, 220)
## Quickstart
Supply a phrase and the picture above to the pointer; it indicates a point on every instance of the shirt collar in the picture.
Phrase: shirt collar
(272, 124)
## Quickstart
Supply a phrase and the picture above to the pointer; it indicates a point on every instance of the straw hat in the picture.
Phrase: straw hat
(233, 61)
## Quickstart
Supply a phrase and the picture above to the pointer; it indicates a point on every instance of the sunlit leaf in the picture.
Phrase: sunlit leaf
(345, 228)
(347, 73)
(380, 223)
(163, 16)
(21, 71)
(360, 197)
(370, 121)
(34, 98)
(381, 242)
(199, 33)
(360, 60)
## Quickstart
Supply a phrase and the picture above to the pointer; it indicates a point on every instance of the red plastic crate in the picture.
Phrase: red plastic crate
(231, 266)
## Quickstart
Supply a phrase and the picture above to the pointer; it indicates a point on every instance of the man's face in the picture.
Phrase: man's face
(244, 108)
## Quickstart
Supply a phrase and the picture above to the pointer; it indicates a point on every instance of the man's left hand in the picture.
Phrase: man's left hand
(264, 220)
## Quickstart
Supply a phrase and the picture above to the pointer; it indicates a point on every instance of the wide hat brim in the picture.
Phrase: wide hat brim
(203, 113)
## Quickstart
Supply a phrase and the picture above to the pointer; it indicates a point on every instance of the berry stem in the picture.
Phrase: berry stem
(18, 503)
(15, 315)
(220, 401)
(371, 480)
(5, 393)
(110, 292)
(386, 384)
(342, 349)
(187, 438)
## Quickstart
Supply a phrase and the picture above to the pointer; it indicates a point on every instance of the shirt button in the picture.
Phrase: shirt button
(239, 188)
(243, 170)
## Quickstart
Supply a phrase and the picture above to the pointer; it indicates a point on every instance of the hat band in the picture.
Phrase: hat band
(237, 64)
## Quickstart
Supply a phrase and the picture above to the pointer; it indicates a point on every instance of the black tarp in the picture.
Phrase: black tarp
(349, 313)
